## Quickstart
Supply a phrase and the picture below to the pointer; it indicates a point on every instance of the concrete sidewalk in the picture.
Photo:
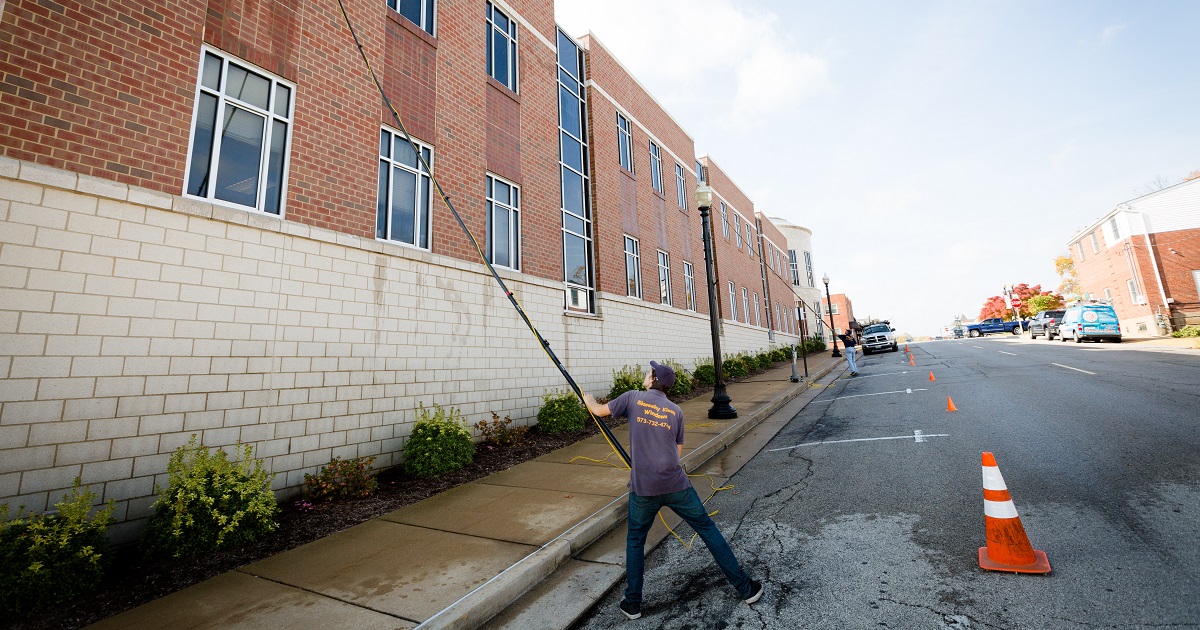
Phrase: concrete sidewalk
(462, 557)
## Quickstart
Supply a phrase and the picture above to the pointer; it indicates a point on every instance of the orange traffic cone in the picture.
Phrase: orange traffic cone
(1008, 547)
(950, 404)
(931, 377)
(906, 347)
(910, 360)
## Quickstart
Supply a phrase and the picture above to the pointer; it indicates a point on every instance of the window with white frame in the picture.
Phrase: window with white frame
(1108, 294)
(833, 308)
(625, 142)
(664, 277)
(405, 191)
(732, 303)
(578, 263)
(689, 286)
(1135, 294)
(808, 268)
(680, 187)
(503, 223)
(751, 237)
(656, 176)
(419, 12)
(746, 305)
(737, 229)
(502, 47)
(757, 311)
(1112, 224)
(725, 220)
(794, 266)
(633, 268)
(1079, 246)
(1095, 243)
(699, 171)
(1196, 279)
(241, 130)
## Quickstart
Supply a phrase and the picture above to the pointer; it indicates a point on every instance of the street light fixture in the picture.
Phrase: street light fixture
(721, 409)
(829, 303)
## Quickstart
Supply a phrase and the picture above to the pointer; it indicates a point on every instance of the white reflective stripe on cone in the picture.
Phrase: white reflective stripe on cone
(992, 479)
(999, 509)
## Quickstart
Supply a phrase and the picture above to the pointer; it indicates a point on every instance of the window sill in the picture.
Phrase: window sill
(411, 27)
(504, 89)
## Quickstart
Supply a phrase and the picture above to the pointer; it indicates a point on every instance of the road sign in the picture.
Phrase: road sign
(1016, 301)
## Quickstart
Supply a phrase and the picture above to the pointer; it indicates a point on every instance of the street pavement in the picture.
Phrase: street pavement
(482, 549)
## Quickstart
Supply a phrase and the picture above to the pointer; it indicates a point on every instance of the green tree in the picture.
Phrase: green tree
(1044, 302)
(1069, 287)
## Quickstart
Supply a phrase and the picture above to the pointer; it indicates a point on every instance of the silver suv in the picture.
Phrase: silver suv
(879, 337)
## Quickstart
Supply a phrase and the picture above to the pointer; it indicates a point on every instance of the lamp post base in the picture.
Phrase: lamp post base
(721, 409)
(836, 353)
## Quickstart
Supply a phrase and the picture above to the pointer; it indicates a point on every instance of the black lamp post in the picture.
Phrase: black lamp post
(721, 409)
(829, 303)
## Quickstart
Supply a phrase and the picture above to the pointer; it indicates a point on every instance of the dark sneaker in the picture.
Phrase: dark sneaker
(633, 611)
(854, 374)
(756, 592)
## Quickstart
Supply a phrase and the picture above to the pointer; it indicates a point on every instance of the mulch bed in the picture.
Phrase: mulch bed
(132, 580)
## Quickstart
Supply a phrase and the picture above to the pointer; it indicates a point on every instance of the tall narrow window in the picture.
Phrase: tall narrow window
(795, 267)
(1134, 294)
(633, 268)
(578, 272)
(656, 176)
(689, 286)
(625, 142)
(402, 209)
(757, 311)
(1112, 224)
(725, 220)
(419, 12)
(502, 47)
(812, 282)
(737, 229)
(746, 305)
(680, 187)
(699, 171)
(732, 303)
(503, 223)
(1095, 243)
(664, 277)
(751, 238)
(1079, 246)
(240, 136)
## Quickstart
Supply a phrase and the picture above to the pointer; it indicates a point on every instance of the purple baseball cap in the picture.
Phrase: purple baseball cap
(664, 374)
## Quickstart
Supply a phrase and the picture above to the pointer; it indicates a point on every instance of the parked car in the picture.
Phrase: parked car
(1096, 322)
(879, 337)
(996, 325)
(1045, 323)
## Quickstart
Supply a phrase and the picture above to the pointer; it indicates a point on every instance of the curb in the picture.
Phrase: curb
(497, 594)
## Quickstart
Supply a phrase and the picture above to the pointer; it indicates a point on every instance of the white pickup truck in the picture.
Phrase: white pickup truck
(879, 337)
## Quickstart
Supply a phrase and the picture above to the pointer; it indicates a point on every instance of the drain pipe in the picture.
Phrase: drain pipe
(1153, 263)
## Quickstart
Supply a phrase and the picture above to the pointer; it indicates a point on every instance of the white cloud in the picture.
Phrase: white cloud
(741, 60)
(1110, 32)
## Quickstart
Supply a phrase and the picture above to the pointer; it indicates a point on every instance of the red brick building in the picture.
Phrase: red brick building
(212, 224)
(843, 313)
(1144, 257)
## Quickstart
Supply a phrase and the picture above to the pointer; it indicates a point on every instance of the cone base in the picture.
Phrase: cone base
(1041, 564)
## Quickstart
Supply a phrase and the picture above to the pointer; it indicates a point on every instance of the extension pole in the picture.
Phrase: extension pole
(612, 439)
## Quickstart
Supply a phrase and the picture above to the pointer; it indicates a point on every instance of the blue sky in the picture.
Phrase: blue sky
(937, 150)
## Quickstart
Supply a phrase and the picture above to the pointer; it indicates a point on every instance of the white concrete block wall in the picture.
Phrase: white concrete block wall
(130, 320)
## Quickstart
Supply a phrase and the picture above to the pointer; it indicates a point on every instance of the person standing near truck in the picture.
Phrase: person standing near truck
(851, 352)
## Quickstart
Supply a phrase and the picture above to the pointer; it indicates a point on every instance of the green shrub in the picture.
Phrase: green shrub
(782, 353)
(341, 479)
(734, 367)
(440, 443)
(814, 344)
(560, 412)
(763, 360)
(705, 373)
(626, 379)
(46, 560)
(683, 379)
(1190, 330)
(210, 502)
(501, 432)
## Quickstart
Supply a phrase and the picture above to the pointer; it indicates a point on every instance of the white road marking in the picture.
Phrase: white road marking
(1008, 353)
(916, 436)
(1071, 368)
(980, 347)
(907, 391)
(884, 374)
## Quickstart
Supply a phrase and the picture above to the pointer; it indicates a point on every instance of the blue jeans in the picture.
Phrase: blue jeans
(687, 505)
(851, 355)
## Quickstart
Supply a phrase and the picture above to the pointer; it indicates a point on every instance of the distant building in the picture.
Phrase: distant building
(843, 313)
(1144, 256)
(809, 297)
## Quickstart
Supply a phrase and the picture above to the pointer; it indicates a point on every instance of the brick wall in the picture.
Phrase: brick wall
(1110, 269)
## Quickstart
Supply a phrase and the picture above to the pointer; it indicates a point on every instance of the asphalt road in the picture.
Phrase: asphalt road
(1099, 445)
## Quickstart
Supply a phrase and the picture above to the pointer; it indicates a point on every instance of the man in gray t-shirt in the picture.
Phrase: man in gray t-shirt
(657, 479)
